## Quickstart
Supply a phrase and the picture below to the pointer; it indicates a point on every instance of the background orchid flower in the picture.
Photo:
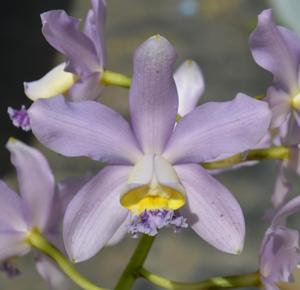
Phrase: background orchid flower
(39, 208)
(153, 176)
(277, 50)
(280, 253)
(85, 52)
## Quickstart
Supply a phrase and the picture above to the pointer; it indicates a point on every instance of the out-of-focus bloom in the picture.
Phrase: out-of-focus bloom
(40, 207)
(280, 253)
(277, 50)
(154, 178)
(85, 52)
(19, 118)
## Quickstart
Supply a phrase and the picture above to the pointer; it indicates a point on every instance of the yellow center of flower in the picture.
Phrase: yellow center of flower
(153, 184)
(151, 197)
(296, 102)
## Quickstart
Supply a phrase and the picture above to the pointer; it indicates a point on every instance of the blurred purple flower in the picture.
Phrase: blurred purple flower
(85, 53)
(40, 207)
(280, 253)
(277, 50)
(153, 164)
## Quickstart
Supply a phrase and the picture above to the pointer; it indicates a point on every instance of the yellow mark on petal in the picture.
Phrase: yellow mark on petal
(296, 102)
(12, 140)
(149, 198)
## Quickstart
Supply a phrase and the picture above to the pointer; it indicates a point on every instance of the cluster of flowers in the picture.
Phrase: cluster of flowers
(153, 178)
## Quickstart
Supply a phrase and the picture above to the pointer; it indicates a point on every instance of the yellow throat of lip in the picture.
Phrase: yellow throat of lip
(151, 197)
(296, 102)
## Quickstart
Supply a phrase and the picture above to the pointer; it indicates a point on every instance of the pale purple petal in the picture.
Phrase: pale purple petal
(11, 210)
(290, 131)
(51, 274)
(153, 99)
(216, 130)
(94, 28)
(36, 182)
(120, 232)
(83, 129)
(282, 187)
(12, 243)
(290, 208)
(211, 209)
(87, 88)
(279, 255)
(277, 50)
(62, 32)
(190, 86)
(280, 105)
(95, 214)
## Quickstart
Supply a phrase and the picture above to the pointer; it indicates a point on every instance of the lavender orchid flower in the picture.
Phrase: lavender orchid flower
(40, 207)
(85, 52)
(280, 253)
(153, 178)
(277, 50)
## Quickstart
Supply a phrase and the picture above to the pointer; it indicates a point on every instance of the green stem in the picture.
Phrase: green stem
(131, 272)
(110, 78)
(230, 282)
(279, 152)
(36, 240)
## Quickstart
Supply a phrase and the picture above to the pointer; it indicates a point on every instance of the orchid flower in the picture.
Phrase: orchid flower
(39, 208)
(280, 253)
(153, 178)
(85, 52)
(277, 50)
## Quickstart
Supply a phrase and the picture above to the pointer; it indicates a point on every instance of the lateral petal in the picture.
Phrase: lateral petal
(62, 32)
(218, 129)
(36, 182)
(95, 214)
(213, 212)
(84, 128)
(11, 210)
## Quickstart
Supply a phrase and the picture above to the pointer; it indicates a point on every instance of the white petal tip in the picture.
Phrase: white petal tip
(55, 82)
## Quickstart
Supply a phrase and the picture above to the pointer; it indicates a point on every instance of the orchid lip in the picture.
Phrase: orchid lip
(19, 118)
(149, 222)
(153, 185)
